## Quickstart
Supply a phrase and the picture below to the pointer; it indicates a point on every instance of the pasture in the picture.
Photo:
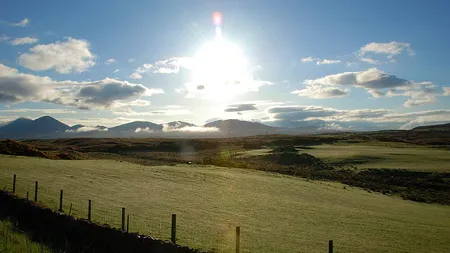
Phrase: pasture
(276, 213)
(13, 241)
(377, 155)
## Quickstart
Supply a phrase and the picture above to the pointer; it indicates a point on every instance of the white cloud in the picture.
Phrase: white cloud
(65, 57)
(169, 66)
(143, 130)
(357, 119)
(117, 70)
(131, 60)
(32, 110)
(446, 91)
(24, 40)
(110, 60)
(22, 23)
(87, 129)
(18, 87)
(190, 129)
(389, 50)
(309, 59)
(375, 82)
(326, 61)
(320, 91)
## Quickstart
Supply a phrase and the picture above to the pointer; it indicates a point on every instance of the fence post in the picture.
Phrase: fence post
(27, 196)
(61, 201)
(36, 191)
(123, 219)
(89, 210)
(128, 223)
(330, 246)
(238, 239)
(174, 229)
(14, 184)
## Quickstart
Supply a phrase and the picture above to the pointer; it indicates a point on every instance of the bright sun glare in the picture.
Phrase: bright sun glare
(218, 66)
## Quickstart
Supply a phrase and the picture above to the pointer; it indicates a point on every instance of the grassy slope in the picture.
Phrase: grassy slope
(13, 241)
(277, 213)
(379, 155)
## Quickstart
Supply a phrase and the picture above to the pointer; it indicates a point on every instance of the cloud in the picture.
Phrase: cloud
(309, 59)
(319, 92)
(241, 108)
(190, 129)
(357, 119)
(108, 90)
(131, 60)
(326, 61)
(389, 50)
(117, 70)
(319, 61)
(169, 66)
(65, 57)
(446, 91)
(110, 60)
(43, 110)
(87, 129)
(25, 22)
(375, 82)
(143, 130)
(24, 40)
(18, 87)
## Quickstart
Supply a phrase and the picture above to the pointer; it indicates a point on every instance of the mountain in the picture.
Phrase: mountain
(234, 127)
(133, 126)
(26, 128)
(179, 124)
(438, 128)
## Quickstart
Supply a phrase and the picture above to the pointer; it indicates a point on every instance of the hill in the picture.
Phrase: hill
(135, 125)
(27, 128)
(440, 128)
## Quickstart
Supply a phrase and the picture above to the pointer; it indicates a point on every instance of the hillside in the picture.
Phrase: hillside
(439, 128)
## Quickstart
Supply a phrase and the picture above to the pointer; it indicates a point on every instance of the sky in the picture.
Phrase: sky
(344, 65)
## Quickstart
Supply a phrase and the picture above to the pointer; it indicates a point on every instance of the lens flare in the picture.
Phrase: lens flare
(217, 18)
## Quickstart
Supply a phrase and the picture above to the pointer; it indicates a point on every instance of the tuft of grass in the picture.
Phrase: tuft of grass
(276, 213)
(14, 241)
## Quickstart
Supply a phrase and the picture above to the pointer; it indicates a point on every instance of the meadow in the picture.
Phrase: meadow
(13, 241)
(276, 213)
(384, 155)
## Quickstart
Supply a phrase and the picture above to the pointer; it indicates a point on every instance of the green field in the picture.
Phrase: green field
(276, 213)
(13, 241)
(378, 155)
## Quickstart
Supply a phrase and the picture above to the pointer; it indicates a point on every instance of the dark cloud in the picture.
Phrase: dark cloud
(300, 112)
(109, 90)
(200, 87)
(241, 108)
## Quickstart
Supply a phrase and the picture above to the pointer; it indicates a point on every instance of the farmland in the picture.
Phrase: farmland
(277, 213)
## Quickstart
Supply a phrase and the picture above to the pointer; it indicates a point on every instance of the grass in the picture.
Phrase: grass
(377, 155)
(276, 213)
(13, 241)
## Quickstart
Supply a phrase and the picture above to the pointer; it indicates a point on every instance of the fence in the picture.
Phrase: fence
(119, 219)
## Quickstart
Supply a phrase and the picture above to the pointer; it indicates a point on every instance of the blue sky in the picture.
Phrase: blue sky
(358, 65)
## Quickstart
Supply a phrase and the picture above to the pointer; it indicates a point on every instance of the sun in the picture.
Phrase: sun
(218, 68)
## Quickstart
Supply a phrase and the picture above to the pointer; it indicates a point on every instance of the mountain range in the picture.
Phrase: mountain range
(49, 127)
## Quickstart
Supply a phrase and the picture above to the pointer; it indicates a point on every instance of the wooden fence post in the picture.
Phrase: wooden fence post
(89, 210)
(238, 239)
(61, 201)
(123, 219)
(330, 246)
(36, 191)
(128, 223)
(27, 196)
(14, 184)
(174, 229)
